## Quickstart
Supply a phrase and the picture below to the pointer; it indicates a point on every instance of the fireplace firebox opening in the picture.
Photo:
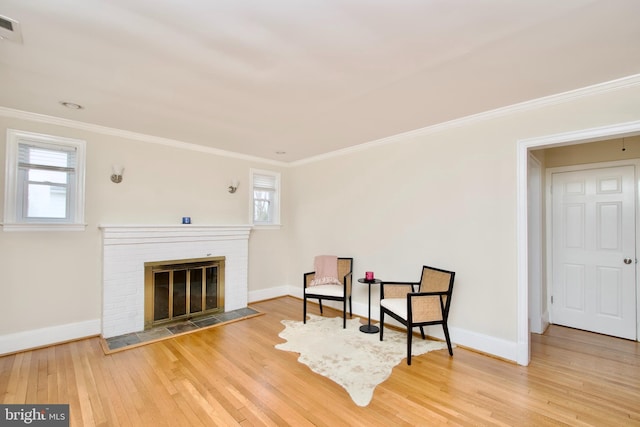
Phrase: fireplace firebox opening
(179, 290)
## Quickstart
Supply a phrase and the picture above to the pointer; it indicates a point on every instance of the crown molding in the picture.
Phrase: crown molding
(596, 89)
(533, 104)
(105, 130)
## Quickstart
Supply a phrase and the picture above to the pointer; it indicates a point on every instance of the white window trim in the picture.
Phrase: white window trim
(14, 137)
(278, 199)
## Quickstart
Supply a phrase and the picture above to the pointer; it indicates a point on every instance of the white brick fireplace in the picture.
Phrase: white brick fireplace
(127, 247)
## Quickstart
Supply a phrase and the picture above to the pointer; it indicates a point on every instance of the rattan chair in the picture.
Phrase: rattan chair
(419, 303)
(333, 292)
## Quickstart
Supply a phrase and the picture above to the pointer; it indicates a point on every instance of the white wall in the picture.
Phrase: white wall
(444, 197)
(53, 279)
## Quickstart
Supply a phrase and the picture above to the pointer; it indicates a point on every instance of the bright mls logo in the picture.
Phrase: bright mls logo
(34, 415)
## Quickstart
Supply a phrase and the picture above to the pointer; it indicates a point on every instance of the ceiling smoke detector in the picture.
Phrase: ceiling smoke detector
(10, 30)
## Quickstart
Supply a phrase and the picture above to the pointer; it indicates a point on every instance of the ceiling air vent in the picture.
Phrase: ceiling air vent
(10, 30)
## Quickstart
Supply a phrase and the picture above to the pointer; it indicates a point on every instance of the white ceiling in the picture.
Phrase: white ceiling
(305, 77)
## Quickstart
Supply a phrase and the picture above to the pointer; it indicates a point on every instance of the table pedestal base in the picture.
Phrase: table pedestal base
(369, 329)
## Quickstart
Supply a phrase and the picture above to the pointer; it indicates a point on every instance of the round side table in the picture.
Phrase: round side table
(368, 329)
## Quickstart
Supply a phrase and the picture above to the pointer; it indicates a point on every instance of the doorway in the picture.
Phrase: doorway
(623, 130)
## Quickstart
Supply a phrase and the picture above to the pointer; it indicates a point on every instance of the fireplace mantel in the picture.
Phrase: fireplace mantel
(127, 247)
(132, 234)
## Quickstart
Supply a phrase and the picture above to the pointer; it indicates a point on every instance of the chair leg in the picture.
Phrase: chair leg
(381, 324)
(320, 301)
(344, 315)
(409, 335)
(350, 307)
(304, 310)
(446, 335)
(422, 332)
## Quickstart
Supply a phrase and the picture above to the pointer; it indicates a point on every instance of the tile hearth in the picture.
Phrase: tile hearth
(137, 338)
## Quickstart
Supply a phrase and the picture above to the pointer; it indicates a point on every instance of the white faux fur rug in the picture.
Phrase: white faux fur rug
(353, 359)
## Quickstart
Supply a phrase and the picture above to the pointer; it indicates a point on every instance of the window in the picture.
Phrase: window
(265, 197)
(44, 182)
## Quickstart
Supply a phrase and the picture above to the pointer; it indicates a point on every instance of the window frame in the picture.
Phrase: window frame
(14, 219)
(275, 221)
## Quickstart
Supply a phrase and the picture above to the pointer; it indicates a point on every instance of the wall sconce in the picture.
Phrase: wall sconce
(234, 186)
(116, 174)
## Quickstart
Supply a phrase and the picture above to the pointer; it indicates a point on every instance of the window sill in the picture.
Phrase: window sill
(43, 227)
(267, 226)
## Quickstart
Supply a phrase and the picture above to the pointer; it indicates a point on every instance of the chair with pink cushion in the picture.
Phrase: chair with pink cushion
(329, 281)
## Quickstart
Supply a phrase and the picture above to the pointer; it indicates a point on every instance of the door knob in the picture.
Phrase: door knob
(627, 260)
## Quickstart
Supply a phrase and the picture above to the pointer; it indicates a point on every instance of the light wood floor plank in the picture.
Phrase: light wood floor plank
(233, 375)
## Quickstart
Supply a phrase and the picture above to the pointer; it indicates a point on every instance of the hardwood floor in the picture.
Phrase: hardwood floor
(233, 375)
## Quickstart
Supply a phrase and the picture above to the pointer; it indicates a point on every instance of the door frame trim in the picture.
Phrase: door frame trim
(539, 319)
(522, 253)
(548, 218)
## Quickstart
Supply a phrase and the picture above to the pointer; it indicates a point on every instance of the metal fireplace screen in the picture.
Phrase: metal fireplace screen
(179, 290)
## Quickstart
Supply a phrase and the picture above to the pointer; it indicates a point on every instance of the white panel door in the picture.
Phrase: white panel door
(594, 259)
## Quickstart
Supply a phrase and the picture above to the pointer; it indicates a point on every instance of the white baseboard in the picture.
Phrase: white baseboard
(265, 294)
(498, 347)
(484, 343)
(56, 334)
(359, 309)
(47, 336)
